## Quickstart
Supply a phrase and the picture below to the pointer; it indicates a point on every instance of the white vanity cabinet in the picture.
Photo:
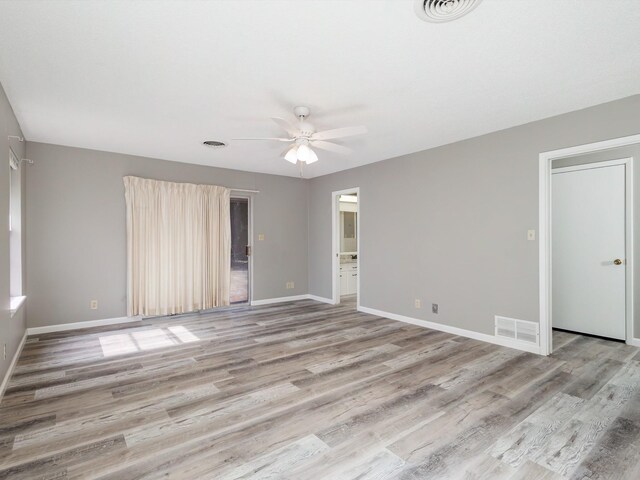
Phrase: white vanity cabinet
(348, 278)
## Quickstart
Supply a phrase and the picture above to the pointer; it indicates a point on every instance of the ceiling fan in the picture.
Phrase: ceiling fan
(303, 136)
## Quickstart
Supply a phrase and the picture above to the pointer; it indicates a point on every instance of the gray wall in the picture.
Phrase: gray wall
(449, 225)
(614, 154)
(76, 248)
(11, 329)
(446, 225)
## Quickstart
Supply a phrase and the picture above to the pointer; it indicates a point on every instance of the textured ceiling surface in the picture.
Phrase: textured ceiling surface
(158, 78)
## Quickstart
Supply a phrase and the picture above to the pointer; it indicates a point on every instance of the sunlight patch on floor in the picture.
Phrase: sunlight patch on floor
(117, 345)
(184, 335)
(144, 340)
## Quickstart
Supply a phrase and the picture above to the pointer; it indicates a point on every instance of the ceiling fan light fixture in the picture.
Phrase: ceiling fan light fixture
(306, 155)
(303, 134)
(291, 155)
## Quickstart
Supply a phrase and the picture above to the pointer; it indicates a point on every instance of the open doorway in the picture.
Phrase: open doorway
(346, 245)
(586, 242)
(239, 291)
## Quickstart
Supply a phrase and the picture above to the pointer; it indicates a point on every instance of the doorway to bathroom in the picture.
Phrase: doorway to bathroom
(346, 245)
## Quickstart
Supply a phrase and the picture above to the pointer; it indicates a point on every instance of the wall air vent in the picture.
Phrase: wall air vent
(517, 330)
(439, 11)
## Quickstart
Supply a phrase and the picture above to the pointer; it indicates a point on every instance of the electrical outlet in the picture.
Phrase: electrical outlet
(93, 305)
(531, 235)
(290, 285)
(261, 236)
(434, 308)
(418, 303)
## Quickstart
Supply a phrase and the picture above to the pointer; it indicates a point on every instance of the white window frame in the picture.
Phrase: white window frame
(15, 230)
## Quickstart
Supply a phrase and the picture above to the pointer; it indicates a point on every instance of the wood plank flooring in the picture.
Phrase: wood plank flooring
(305, 390)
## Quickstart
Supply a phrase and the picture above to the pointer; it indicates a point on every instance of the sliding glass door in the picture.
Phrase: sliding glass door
(240, 250)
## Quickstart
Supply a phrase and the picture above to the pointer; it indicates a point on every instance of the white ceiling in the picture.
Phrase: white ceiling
(158, 78)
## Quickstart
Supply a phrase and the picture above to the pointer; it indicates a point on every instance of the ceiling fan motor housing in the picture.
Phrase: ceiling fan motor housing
(301, 111)
(305, 128)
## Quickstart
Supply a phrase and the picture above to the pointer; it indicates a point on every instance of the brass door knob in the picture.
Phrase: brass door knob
(617, 261)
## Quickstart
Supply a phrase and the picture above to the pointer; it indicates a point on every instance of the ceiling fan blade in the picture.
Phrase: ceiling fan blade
(290, 129)
(269, 138)
(331, 147)
(284, 152)
(339, 133)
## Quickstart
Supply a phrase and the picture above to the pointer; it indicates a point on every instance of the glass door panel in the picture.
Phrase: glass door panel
(239, 291)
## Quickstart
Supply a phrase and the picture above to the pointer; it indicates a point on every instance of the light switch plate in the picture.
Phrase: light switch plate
(261, 236)
(531, 235)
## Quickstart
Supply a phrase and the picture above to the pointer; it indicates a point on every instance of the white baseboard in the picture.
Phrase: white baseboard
(269, 301)
(320, 299)
(454, 330)
(12, 366)
(114, 321)
(76, 325)
(293, 298)
(635, 342)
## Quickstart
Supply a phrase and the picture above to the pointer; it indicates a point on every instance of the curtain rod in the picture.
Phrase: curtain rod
(244, 191)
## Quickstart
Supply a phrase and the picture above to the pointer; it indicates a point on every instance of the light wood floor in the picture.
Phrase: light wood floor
(311, 391)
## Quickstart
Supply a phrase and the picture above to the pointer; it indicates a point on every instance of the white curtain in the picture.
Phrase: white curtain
(178, 246)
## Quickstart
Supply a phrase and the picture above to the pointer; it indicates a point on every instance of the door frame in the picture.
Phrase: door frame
(249, 199)
(335, 244)
(544, 231)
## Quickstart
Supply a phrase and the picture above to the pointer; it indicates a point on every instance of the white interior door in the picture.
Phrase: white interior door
(588, 250)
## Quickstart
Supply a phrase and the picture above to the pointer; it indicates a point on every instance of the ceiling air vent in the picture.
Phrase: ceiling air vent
(439, 11)
(214, 144)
